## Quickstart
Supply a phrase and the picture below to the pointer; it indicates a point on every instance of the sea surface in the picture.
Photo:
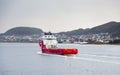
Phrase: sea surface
(27, 59)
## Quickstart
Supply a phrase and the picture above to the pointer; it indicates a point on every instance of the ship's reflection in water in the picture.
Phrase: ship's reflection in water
(70, 56)
(65, 56)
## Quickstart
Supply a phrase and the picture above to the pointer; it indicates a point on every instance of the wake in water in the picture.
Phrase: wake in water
(88, 57)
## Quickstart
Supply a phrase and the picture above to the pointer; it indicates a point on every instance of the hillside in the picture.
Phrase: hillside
(112, 28)
(23, 31)
(98, 33)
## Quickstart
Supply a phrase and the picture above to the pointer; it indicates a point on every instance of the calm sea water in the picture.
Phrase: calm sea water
(26, 59)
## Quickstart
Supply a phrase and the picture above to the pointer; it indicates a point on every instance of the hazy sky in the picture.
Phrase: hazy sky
(57, 15)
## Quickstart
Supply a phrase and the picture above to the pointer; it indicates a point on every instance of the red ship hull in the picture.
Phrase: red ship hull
(60, 51)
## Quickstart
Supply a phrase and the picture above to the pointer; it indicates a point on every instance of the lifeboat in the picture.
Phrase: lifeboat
(48, 44)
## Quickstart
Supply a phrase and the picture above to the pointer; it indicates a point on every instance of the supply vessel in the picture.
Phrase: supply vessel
(48, 44)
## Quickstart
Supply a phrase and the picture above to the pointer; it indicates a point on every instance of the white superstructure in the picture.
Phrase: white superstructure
(49, 40)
